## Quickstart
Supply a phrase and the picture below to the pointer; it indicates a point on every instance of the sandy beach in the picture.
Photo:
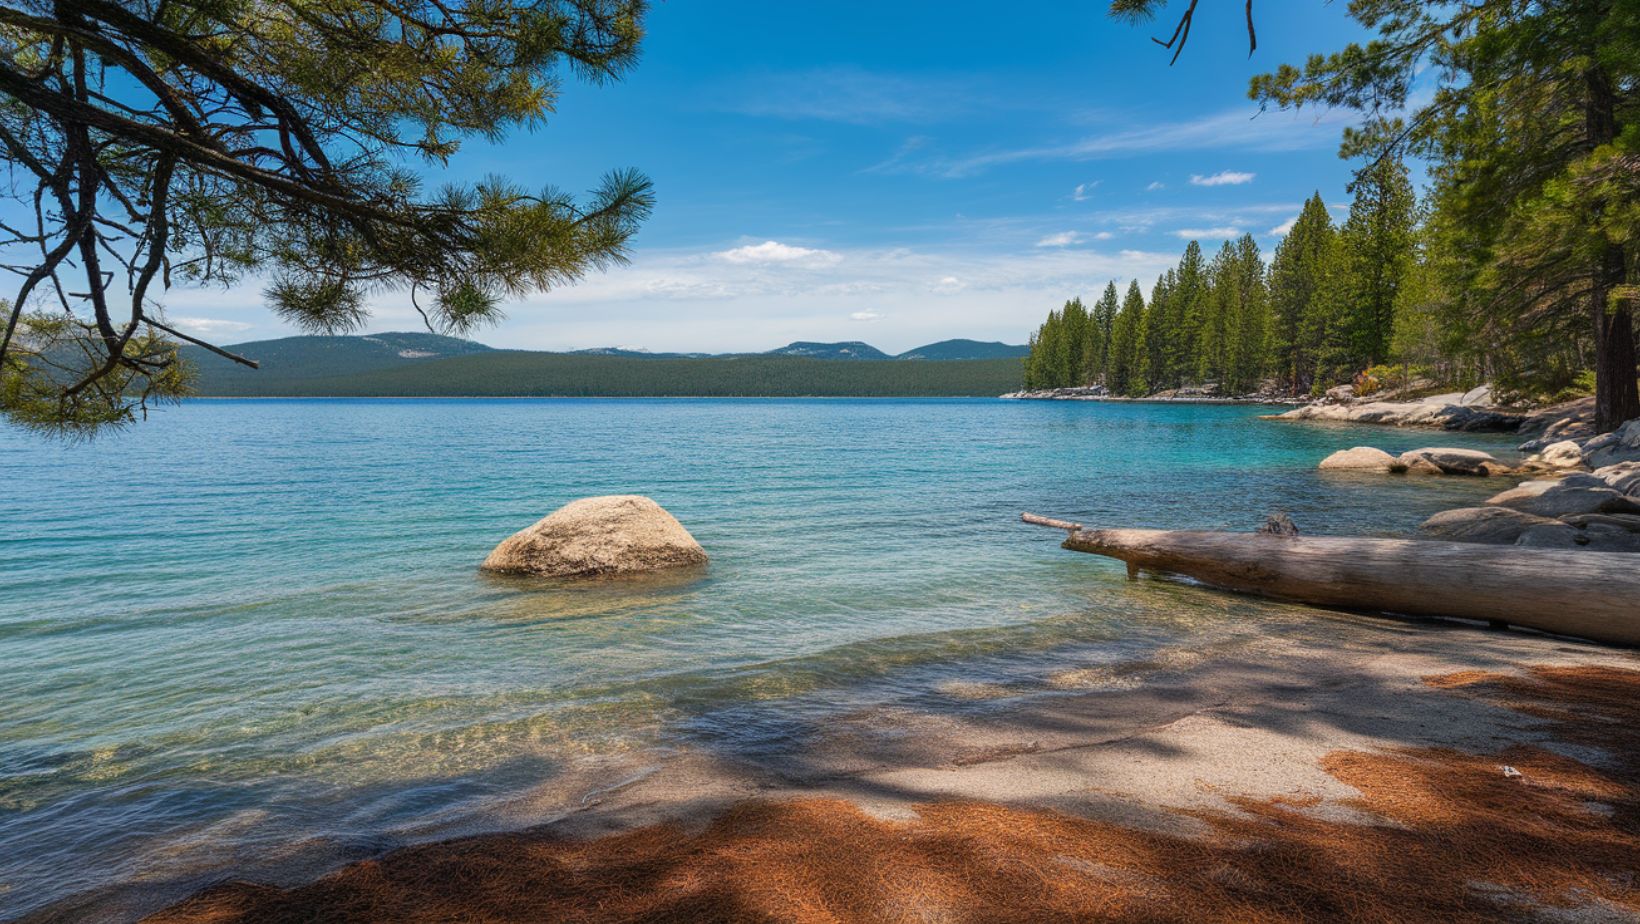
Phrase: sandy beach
(1385, 768)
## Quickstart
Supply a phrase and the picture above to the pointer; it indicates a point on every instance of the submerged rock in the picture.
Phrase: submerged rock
(1361, 459)
(617, 534)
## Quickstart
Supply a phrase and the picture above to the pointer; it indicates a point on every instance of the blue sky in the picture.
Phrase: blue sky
(897, 172)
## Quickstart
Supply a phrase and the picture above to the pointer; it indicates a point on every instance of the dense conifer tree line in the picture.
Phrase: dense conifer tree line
(1335, 304)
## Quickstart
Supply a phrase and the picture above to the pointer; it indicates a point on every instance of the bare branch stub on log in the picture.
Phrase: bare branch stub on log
(1037, 520)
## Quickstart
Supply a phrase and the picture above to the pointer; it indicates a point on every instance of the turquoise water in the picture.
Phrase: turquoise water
(248, 625)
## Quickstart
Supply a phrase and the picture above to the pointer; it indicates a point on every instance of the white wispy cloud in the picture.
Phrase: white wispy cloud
(1103, 236)
(1235, 129)
(1083, 191)
(1222, 178)
(774, 252)
(865, 316)
(208, 325)
(1155, 185)
(854, 95)
(1212, 234)
(1062, 239)
(1285, 226)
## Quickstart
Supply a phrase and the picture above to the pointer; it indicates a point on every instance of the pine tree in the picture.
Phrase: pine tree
(1373, 250)
(1297, 276)
(1248, 349)
(1104, 319)
(1220, 317)
(1159, 329)
(1184, 325)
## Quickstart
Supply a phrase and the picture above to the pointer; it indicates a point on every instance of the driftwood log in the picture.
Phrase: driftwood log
(1592, 595)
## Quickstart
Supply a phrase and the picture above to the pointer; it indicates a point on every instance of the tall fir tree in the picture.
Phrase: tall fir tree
(1298, 274)
(1248, 350)
(1371, 256)
(1104, 319)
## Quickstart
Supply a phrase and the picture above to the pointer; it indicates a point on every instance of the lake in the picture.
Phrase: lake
(245, 632)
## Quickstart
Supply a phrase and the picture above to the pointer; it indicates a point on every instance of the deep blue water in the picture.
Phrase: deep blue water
(246, 626)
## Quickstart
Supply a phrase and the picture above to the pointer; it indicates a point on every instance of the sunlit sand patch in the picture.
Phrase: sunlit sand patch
(1441, 835)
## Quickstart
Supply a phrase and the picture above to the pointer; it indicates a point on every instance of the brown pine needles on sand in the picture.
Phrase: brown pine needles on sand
(1451, 836)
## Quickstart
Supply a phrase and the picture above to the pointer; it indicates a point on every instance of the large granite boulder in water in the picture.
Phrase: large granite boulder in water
(618, 534)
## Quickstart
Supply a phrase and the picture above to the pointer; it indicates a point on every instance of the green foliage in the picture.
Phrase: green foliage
(41, 388)
(1298, 276)
(1204, 323)
(1532, 134)
(201, 139)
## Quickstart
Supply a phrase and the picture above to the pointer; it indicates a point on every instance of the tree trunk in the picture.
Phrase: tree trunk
(1587, 594)
(1616, 396)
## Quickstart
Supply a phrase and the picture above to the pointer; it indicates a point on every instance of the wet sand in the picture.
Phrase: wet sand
(1398, 768)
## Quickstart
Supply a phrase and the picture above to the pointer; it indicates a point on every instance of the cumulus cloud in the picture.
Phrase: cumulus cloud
(1200, 234)
(1222, 178)
(1062, 239)
(774, 252)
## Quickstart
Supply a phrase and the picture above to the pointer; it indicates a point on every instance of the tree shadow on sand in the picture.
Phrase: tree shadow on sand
(1500, 793)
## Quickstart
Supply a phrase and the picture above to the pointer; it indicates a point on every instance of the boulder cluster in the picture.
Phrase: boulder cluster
(1435, 460)
(1598, 510)
(1583, 492)
(1470, 411)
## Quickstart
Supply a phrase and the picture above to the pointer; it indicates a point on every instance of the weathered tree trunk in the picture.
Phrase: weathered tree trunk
(1593, 595)
(1616, 396)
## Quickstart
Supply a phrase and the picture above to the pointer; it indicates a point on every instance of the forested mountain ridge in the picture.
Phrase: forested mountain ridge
(311, 364)
(966, 349)
(319, 356)
(517, 373)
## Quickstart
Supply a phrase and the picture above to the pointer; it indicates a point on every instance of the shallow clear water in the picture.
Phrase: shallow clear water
(250, 624)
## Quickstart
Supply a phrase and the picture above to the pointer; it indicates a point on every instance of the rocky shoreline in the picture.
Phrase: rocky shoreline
(1470, 412)
(1582, 490)
(1171, 396)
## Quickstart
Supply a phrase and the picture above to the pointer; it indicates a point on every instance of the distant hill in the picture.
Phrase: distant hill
(320, 356)
(967, 349)
(852, 349)
(515, 373)
(427, 365)
(635, 354)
